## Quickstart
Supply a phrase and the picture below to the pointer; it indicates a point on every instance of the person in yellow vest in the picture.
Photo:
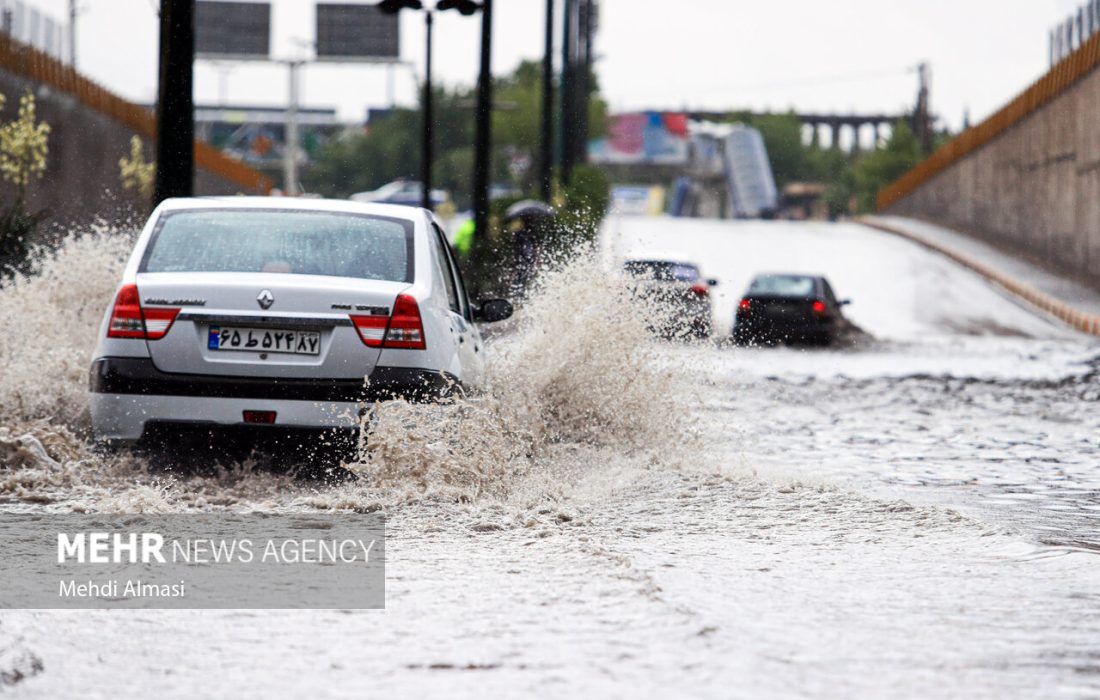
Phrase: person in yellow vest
(464, 239)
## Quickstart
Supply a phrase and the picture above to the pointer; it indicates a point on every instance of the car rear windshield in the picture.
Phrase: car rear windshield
(283, 241)
(783, 286)
(661, 270)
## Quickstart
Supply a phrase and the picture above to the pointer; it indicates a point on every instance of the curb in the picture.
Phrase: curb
(1071, 316)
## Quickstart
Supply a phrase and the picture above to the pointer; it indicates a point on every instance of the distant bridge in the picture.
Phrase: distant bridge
(880, 124)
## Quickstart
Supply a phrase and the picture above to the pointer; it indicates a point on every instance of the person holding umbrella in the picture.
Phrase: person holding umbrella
(529, 221)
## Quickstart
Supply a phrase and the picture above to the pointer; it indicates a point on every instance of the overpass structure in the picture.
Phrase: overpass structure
(832, 124)
(920, 120)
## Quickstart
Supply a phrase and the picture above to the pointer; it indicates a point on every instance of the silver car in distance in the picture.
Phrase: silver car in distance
(282, 312)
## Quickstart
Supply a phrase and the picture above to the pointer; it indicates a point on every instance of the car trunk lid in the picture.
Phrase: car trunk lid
(277, 326)
(782, 308)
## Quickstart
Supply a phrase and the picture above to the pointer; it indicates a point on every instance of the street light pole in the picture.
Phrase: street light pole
(546, 142)
(567, 92)
(175, 101)
(392, 7)
(426, 111)
(290, 149)
(483, 138)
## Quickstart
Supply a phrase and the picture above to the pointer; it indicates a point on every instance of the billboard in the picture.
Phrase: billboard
(653, 138)
(355, 32)
(238, 30)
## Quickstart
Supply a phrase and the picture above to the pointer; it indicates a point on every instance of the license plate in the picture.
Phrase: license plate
(264, 340)
(781, 311)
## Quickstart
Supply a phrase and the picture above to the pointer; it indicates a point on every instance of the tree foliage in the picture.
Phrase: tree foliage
(390, 148)
(877, 169)
(135, 174)
(24, 146)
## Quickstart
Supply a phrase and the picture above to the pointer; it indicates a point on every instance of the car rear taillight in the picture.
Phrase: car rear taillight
(129, 320)
(402, 329)
(372, 329)
(818, 306)
(158, 321)
(405, 329)
(126, 321)
(744, 307)
(700, 290)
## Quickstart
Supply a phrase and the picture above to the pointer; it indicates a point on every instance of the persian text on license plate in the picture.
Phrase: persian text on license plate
(264, 340)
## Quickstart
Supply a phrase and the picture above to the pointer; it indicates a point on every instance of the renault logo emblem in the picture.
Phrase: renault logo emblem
(266, 299)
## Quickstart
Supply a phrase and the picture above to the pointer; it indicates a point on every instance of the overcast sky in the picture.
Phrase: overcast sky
(835, 56)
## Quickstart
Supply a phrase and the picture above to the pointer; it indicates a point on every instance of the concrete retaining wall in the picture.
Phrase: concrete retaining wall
(91, 130)
(1028, 179)
(81, 182)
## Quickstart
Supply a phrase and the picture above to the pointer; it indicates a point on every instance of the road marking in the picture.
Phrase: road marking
(1071, 316)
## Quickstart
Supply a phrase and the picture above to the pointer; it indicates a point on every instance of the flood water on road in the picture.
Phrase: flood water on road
(912, 517)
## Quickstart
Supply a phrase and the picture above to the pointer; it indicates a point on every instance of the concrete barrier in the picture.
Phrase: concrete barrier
(1073, 317)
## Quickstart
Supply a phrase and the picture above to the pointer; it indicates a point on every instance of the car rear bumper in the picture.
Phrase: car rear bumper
(778, 329)
(127, 394)
(125, 417)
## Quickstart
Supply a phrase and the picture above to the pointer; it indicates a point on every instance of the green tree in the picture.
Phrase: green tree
(790, 159)
(585, 201)
(900, 154)
(833, 168)
(137, 175)
(390, 149)
(24, 145)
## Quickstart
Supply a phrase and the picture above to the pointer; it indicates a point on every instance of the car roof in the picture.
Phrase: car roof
(659, 261)
(801, 275)
(395, 211)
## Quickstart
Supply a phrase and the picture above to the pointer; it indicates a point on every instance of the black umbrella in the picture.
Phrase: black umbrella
(529, 209)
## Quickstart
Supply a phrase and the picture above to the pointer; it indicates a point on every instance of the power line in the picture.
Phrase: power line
(803, 82)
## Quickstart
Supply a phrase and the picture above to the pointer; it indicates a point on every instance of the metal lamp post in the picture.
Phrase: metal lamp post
(175, 102)
(465, 7)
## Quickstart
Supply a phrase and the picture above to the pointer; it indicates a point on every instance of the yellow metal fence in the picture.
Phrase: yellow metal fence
(41, 68)
(1059, 79)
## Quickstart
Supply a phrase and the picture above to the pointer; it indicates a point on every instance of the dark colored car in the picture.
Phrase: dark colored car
(790, 309)
(679, 290)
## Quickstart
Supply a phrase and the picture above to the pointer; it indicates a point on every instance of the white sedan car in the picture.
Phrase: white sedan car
(282, 312)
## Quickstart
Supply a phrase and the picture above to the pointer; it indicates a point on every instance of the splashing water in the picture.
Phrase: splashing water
(52, 319)
(580, 378)
(579, 383)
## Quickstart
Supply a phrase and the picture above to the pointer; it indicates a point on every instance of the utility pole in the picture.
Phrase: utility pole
(290, 148)
(586, 26)
(427, 125)
(72, 33)
(175, 101)
(567, 92)
(483, 157)
(465, 7)
(546, 141)
(922, 117)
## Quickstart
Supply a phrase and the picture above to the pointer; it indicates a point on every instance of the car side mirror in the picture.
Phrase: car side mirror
(711, 282)
(493, 310)
(844, 302)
